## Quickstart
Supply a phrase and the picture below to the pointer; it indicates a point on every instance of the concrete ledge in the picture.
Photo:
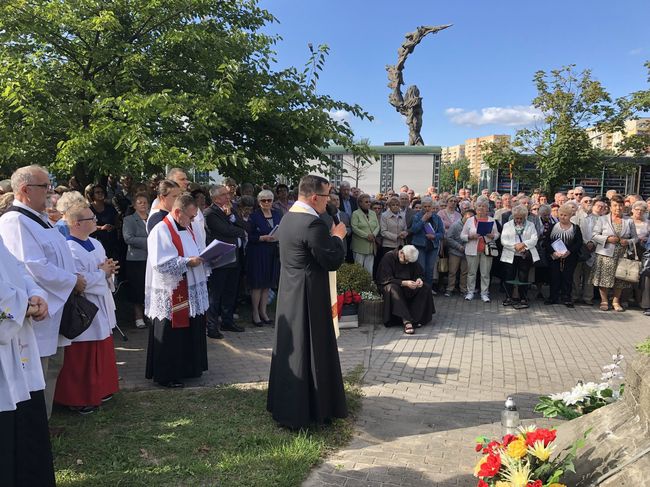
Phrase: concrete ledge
(619, 432)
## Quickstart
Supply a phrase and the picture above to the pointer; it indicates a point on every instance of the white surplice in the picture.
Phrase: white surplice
(20, 364)
(165, 269)
(98, 289)
(48, 259)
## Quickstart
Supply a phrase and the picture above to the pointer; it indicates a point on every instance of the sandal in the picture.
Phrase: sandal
(618, 307)
(604, 306)
(408, 329)
(523, 304)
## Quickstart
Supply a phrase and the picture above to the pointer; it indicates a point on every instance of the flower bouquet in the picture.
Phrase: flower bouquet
(6, 315)
(524, 459)
(585, 398)
(349, 298)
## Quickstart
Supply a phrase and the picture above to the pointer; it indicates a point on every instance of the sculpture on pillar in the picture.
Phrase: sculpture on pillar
(409, 105)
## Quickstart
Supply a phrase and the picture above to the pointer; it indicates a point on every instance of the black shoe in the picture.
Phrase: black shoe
(232, 327)
(268, 322)
(215, 334)
(569, 304)
(259, 324)
(173, 384)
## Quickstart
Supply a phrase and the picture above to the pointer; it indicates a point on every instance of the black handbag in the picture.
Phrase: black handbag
(78, 314)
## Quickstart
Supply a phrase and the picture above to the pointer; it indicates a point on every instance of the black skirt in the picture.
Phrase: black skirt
(135, 273)
(25, 450)
(176, 353)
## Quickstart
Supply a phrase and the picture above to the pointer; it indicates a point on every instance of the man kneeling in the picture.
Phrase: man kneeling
(407, 299)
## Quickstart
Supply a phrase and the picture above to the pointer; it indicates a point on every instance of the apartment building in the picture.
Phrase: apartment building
(610, 142)
(474, 151)
(452, 153)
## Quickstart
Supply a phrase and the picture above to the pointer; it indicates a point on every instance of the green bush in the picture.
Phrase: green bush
(353, 277)
(644, 347)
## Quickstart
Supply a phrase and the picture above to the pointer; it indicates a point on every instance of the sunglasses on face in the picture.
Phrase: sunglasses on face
(266, 201)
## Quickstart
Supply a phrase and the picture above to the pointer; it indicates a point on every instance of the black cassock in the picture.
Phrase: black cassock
(402, 303)
(305, 382)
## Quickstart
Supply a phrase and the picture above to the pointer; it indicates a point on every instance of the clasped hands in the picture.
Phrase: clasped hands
(616, 239)
(110, 267)
(413, 284)
(37, 308)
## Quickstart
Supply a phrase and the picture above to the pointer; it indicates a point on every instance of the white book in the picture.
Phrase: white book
(559, 246)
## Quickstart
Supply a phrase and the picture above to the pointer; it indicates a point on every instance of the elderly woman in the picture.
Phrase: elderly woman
(89, 373)
(449, 215)
(135, 235)
(475, 248)
(262, 256)
(66, 201)
(407, 299)
(428, 233)
(613, 235)
(542, 270)
(642, 226)
(562, 247)
(393, 227)
(457, 260)
(365, 228)
(519, 240)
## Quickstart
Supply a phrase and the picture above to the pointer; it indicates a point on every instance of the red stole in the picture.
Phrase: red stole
(180, 295)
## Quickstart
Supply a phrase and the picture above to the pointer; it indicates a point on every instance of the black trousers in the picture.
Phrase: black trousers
(517, 270)
(562, 279)
(25, 449)
(223, 287)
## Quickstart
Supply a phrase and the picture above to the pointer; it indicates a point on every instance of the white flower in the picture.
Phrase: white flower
(558, 397)
(576, 395)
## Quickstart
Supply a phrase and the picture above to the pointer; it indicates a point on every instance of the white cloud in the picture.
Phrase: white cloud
(340, 115)
(514, 116)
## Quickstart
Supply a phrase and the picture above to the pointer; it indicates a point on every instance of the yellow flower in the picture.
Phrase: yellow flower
(501, 483)
(517, 473)
(556, 485)
(478, 465)
(517, 449)
(540, 451)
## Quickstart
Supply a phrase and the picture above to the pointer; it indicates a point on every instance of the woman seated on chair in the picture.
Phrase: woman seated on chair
(519, 238)
(407, 299)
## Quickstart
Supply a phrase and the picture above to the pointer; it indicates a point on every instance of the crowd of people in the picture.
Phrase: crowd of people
(65, 241)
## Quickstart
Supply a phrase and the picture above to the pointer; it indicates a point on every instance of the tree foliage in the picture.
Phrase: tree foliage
(570, 103)
(447, 179)
(90, 87)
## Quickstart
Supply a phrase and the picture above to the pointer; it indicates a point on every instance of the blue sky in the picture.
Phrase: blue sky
(482, 67)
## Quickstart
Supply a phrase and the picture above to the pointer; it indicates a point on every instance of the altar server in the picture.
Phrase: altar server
(89, 373)
(43, 250)
(25, 451)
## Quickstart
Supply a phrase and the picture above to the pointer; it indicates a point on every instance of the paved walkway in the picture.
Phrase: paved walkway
(429, 395)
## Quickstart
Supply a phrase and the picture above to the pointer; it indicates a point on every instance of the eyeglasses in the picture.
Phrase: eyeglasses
(44, 186)
(93, 218)
(319, 194)
(267, 201)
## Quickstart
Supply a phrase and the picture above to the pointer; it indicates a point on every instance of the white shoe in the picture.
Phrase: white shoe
(469, 296)
(140, 324)
(485, 298)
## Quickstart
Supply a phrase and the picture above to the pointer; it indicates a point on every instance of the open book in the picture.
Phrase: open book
(219, 254)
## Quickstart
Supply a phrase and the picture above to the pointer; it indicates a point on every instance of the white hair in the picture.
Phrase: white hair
(483, 200)
(344, 184)
(25, 175)
(68, 199)
(427, 200)
(640, 204)
(410, 253)
(520, 210)
(265, 194)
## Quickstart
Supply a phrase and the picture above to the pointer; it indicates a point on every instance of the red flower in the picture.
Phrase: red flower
(491, 466)
(541, 434)
(507, 439)
(482, 483)
(356, 297)
(347, 297)
(339, 304)
(537, 483)
(478, 447)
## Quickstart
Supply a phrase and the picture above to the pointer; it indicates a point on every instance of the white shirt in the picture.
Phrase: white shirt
(306, 207)
(20, 364)
(98, 290)
(49, 261)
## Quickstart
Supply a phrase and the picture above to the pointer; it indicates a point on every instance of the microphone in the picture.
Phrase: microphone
(333, 212)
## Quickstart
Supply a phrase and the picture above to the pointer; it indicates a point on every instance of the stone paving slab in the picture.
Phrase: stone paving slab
(429, 395)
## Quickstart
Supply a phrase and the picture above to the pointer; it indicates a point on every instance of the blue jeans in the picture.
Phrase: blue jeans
(427, 260)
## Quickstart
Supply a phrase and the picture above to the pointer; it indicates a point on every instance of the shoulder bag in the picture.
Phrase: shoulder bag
(629, 270)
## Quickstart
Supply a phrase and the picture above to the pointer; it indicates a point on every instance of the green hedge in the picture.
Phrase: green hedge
(353, 277)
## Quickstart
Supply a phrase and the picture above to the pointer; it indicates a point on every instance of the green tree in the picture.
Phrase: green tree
(91, 87)
(570, 103)
(447, 179)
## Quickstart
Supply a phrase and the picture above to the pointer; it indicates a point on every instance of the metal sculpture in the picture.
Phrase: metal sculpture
(409, 105)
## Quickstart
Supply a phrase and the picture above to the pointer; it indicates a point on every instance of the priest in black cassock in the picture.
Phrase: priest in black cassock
(176, 298)
(305, 382)
(408, 301)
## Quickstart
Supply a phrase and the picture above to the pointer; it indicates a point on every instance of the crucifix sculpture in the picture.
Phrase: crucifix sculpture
(409, 105)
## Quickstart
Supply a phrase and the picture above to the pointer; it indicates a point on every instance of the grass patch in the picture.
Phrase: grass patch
(204, 437)
(644, 346)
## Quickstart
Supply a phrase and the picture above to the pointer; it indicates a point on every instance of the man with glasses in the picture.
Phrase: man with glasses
(225, 225)
(305, 383)
(32, 240)
(578, 193)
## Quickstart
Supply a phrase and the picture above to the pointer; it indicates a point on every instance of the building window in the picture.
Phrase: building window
(435, 177)
(387, 172)
(335, 173)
